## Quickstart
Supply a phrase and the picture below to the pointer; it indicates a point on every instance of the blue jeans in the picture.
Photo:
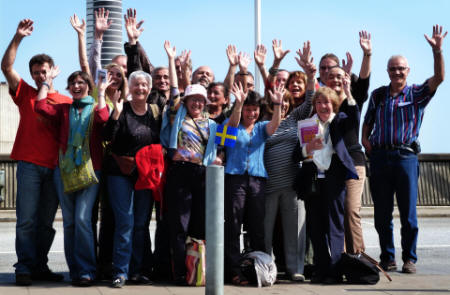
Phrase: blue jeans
(395, 171)
(78, 235)
(131, 227)
(36, 205)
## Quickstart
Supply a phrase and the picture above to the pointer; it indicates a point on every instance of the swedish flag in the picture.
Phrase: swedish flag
(226, 135)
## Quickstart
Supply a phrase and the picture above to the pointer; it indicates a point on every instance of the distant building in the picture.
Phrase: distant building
(9, 120)
(112, 39)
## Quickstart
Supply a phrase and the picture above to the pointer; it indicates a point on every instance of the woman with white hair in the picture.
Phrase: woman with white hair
(131, 126)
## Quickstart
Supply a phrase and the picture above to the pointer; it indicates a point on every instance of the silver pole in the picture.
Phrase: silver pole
(257, 41)
(214, 229)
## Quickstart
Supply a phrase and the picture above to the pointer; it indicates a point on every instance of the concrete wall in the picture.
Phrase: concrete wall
(9, 120)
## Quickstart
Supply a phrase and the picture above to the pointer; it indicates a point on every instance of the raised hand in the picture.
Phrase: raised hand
(25, 27)
(365, 42)
(346, 82)
(117, 103)
(260, 55)
(278, 52)
(232, 55)
(103, 83)
(347, 66)
(185, 59)
(238, 91)
(171, 52)
(80, 27)
(53, 72)
(437, 38)
(244, 61)
(277, 94)
(101, 20)
(304, 57)
(133, 28)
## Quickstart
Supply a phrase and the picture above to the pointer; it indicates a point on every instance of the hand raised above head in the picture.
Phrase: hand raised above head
(133, 28)
(260, 54)
(277, 94)
(278, 51)
(101, 20)
(244, 61)
(365, 42)
(25, 27)
(238, 91)
(79, 27)
(171, 52)
(437, 38)
(185, 59)
(347, 66)
(232, 55)
(305, 56)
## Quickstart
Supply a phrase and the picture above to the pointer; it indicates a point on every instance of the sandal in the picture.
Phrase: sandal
(239, 280)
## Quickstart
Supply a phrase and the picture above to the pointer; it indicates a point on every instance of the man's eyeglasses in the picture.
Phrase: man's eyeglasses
(400, 69)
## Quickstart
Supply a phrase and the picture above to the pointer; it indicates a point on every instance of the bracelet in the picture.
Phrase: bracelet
(46, 84)
(437, 51)
(368, 54)
(276, 103)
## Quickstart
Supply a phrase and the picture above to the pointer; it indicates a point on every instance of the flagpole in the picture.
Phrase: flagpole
(257, 41)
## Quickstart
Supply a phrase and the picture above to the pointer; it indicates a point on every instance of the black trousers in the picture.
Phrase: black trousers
(244, 194)
(325, 219)
(185, 193)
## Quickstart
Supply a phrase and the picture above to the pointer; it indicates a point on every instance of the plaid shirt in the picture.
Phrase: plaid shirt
(397, 120)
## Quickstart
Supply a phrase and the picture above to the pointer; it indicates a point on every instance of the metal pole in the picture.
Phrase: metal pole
(214, 229)
(257, 41)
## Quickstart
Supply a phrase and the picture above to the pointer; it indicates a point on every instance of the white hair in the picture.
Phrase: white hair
(395, 57)
(140, 74)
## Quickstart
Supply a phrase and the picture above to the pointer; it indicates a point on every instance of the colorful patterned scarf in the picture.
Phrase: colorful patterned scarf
(78, 125)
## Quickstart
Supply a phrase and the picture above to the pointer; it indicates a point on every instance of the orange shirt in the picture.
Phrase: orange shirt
(36, 138)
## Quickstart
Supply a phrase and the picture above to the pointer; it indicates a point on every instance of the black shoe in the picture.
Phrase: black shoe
(316, 278)
(23, 279)
(47, 276)
(140, 280)
(332, 280)
(181, 281)
(85, 282)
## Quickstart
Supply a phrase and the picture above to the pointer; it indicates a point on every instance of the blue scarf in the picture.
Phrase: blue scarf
(78, 125)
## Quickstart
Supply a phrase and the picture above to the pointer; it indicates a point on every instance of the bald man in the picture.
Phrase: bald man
(390, 132)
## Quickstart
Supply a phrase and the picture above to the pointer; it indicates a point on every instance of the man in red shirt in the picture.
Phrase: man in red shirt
(36, 150)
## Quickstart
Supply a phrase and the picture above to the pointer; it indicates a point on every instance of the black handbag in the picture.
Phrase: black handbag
(306, 182)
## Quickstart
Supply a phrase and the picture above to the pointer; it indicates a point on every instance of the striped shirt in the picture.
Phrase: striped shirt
(397, 120)
(278, 158)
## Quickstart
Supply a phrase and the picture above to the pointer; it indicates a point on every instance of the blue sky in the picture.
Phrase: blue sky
(207, 27)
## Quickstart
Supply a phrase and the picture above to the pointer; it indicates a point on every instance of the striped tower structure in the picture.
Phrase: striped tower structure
(112, 39)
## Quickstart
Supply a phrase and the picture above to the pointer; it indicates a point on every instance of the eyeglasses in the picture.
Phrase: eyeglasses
(394, 69)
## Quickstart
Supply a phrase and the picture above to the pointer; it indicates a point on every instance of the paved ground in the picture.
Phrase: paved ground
(401, 284)
(433, 275)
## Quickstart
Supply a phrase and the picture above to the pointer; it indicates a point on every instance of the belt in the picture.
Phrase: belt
(391, 147)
